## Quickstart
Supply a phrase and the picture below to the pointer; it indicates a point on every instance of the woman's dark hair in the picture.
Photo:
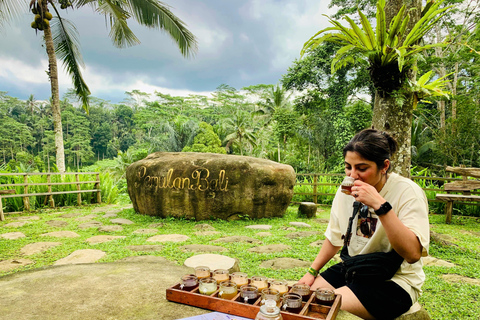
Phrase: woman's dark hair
(372, 145)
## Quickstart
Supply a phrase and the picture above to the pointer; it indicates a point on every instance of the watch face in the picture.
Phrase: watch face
(384, 208)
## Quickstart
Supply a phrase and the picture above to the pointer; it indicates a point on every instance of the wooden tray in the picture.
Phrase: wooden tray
(236, 306)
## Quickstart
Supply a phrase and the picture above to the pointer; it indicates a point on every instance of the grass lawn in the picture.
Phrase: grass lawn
(441, 298)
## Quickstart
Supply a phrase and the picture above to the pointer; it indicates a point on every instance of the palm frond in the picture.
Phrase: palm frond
(120, 34)
(11, 9)
(157, 15)
(66, 43)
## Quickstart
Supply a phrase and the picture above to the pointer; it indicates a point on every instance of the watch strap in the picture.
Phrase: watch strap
(384, 208)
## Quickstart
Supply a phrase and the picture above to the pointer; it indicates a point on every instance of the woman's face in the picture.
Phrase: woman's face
(364, 170)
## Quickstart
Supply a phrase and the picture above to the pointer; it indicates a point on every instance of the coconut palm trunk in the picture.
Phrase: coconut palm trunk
(55, 105)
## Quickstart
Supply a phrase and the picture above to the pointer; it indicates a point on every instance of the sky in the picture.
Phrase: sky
(240, 43)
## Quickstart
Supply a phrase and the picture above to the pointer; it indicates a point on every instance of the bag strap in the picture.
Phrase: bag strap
(348, 235)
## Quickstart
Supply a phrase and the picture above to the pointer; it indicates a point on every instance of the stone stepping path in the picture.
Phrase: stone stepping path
(204, 227)
(145, 248)
(103, 238)
(28, 218)
(264, 234)
(110, 228)
(145, 231)
(202, 248)
(90, 224)
(317, 243)
(300, 224)
(57, 223)
(431, 261)
(206, 233)
(157, 225)
(12, 235)
(455, 278)
(259, 227)
(169, 238)
(61, 234)
(87, 218)
(11, 264)
(214, 261)
(121, 221)
(38, 247)
(270, 248)
(284, 263)
(70, 215)
(17, 224)
(81, 256)
(244, 239)
(302, 234)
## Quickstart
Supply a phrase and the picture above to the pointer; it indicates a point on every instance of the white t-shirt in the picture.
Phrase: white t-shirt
(410, 205)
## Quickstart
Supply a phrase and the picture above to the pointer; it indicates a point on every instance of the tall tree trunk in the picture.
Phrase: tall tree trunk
(396, 119)
(441, 73)
(388, 114)
(57, 117)
(454, 101)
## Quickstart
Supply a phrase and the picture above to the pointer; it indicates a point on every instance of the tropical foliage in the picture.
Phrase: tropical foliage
(389, 52)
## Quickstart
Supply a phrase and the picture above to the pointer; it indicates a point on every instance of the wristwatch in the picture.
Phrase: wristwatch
(384, 208)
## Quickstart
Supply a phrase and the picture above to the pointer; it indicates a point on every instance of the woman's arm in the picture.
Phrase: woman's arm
(402, 239)
(326, 253)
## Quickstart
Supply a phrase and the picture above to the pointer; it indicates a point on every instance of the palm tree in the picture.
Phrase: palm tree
(240, 131)
(275, 98)
(61, 38)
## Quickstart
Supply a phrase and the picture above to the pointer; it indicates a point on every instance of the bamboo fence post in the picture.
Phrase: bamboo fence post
(97, 186)
(79, 195)
(51, 202)
(26, 200)
(2, 217)
(315, 188)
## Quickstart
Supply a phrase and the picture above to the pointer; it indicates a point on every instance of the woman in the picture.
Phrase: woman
(397, 220)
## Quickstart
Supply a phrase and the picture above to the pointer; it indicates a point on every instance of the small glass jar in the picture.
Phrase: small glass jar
(303, 290)
(207, 286)
(269, 311)
(270, 294)
(324, 296)
(292, 302)
(221, 275)
(260, 282)
(240, 278)
(249, 294)
(228, 290)
(188, 282)
(280, 285)
(347, 184)
(202, 272)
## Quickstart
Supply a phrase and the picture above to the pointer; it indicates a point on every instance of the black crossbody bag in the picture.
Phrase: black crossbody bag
(370, 267)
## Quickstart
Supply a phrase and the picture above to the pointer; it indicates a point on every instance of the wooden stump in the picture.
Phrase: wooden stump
(308, 209)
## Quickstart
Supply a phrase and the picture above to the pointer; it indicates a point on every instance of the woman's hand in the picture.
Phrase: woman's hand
(367, 194)
(308, 278)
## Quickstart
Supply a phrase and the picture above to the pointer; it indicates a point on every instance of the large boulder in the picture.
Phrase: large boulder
(206, 185)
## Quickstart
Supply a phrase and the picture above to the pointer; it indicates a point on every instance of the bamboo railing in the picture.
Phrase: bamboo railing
(27, 192)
